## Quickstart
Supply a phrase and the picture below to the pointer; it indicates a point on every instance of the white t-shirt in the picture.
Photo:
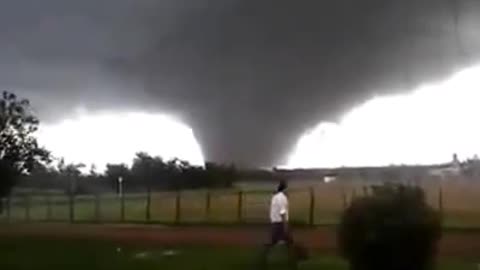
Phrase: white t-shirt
(278, 207)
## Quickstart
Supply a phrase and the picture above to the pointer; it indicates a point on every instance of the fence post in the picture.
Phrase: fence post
(240, 206)
(148, 208)
(9, 208)
(440, 202)
(344, 199)
(27, 207)
(122, 207)
(49, 206)
(312, 207)
(178, 207)
(3, 205)
(71, 200)
(71, 204)
(207, 206)
(97, 208)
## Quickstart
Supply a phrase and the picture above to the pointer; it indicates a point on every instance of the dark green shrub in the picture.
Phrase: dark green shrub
(392, 228)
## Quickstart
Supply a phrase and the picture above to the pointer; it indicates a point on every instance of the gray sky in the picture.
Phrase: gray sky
(249, 76)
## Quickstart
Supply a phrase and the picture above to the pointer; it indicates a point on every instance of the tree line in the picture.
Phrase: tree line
(145, 174)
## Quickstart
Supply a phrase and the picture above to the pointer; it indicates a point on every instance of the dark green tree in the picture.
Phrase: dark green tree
(221, 175)
(19, 149)
(147, 169)
(392, 228)
(114, 171)
(72, 174)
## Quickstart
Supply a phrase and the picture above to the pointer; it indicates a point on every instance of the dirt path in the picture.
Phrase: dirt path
(458, 244)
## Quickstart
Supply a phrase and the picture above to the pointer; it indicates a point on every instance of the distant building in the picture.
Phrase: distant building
(451, 170)
(369, 175)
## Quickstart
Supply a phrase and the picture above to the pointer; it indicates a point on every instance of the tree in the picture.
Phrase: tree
(115, 171)
(72, 173)
(145, 169)
(19, 149)
(175, 174)
(221, 175)
(393, 228)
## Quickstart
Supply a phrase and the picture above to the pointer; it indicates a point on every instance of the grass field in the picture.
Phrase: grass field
(460, 203)
(39, 254)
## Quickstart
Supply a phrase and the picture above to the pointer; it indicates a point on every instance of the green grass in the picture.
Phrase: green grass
(38, 254)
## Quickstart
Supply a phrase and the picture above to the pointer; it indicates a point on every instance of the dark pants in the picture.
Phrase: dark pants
(279, 233)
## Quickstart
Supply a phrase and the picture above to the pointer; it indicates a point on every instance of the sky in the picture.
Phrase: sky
(249, 77)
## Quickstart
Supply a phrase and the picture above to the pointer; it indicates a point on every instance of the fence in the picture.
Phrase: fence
(320, 205)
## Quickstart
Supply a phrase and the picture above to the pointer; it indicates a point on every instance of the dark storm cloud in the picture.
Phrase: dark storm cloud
(248, 76)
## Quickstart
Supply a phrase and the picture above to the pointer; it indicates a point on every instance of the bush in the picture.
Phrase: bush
(392, 228)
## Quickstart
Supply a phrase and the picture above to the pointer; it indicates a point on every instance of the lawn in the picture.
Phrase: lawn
(39, 254)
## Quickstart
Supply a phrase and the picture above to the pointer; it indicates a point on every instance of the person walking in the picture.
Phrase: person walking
(280, 231)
